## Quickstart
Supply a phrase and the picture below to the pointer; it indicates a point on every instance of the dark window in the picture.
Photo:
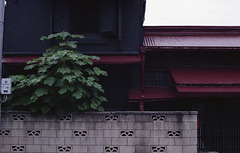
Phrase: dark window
(85, 16)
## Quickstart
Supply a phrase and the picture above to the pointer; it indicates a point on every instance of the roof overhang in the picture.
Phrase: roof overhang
(121, 59)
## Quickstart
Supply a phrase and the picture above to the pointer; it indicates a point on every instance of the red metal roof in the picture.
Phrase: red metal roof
(192, 37)
(206, 76)
(219, 41)
(103, 59)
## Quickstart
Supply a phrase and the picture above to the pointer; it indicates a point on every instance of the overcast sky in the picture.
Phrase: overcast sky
(193, 12)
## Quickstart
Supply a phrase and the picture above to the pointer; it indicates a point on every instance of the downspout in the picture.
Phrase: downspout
(141, 102)
(2, 12)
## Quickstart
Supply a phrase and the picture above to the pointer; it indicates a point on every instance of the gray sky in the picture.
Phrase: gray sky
(193, 12)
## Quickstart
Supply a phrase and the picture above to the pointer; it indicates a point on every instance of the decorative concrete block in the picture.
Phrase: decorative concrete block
(142, 133)
(189, 118)
(72, 141)
(182, 125)
(95, 149)
(141, 125)
(25, 140)
(142, 149)
(10, 140)
(166, 141)
(159, 133)
(127, 118)
(56, 141)
(189, 133)
(78, 149)
(193, 141)
(175, 149)
(40, 125)
(49, 133)
(103, 125)
(143, 118)
(64, 133)
(25, 125)
(41, 141)
(119, 141)
(18, 133)
(111, 133)
(10, 125)
(95, 133)
(33, 148)
(88, 141)
(48, 149)
(103, 141)
(182, 141)
(189, 149)
(119, 125)
(127, 149)
(194, 125)
(5, 148)
(57, 125)
(142, 141)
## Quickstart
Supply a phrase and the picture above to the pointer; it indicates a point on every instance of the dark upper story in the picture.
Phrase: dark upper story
(110, 27)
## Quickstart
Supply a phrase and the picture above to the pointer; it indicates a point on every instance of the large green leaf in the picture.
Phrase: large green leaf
(49, 81)
(64, 70)
(43, 69)
(77, 94)
(41, 91)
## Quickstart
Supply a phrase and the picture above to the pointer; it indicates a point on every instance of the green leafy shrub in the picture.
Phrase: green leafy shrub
(64, 81)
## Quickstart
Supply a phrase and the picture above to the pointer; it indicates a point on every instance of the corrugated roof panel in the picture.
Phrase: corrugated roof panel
(195, 76)
(155, 40)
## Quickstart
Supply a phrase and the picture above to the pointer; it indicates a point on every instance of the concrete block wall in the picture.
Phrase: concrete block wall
(105, 132)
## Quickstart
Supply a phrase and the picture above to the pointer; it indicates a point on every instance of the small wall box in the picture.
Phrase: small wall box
(6, 87)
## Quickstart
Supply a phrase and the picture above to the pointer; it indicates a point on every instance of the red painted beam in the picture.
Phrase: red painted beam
(127, 59)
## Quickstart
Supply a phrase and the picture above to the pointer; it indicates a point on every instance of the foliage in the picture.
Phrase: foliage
(64, 81)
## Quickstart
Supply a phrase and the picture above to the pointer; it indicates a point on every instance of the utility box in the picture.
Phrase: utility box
(6, 86)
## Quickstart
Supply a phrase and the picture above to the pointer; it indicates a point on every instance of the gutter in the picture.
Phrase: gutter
(2, 12)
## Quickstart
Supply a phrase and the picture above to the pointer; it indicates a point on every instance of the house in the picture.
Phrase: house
(112, 28)
(164, 68)
(194, 68)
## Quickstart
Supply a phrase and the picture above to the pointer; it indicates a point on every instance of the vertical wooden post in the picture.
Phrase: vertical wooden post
(141, 102)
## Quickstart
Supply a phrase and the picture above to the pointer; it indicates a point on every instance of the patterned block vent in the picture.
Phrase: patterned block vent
(18, 117)
(4, 132)
(18, 148)
(111, 149)
(64, 148)
(126, 133)
(156, 118)
(65, 118)
(111, 118)
(158, 149)
(33, 133)
(80, 133)
(174, 133)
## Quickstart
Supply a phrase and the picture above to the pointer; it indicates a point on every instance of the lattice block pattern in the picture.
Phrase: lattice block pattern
(64, 148)
(18, 117)
(158, 149)
(81, 133)
(127, 133)
(111, 149)
(67, 117)
(4, 132)
(174, 134)
(111, 118)
(156, 118)
(34, 133)
(18, 148)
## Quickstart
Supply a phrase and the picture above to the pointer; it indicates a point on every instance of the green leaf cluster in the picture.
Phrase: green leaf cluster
(65, 81)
